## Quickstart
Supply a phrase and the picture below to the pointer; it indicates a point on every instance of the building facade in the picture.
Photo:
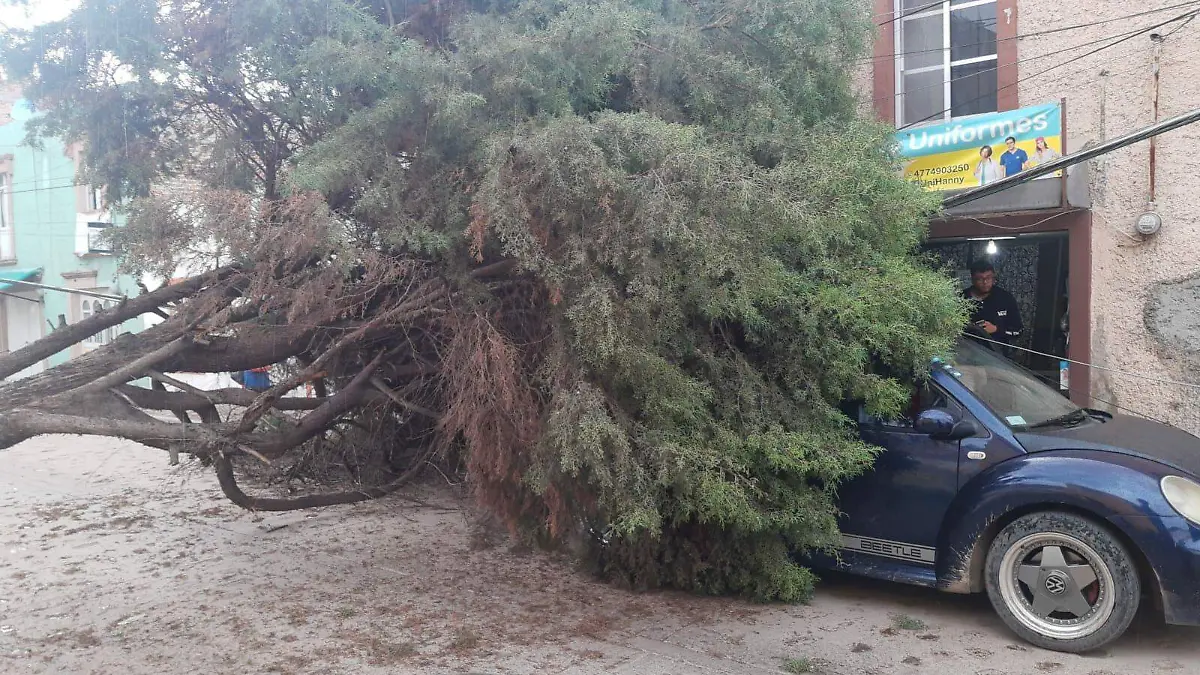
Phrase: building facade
(1093, 288)
(51, 233)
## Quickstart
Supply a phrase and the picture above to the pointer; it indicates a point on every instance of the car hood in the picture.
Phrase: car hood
(1123, 434)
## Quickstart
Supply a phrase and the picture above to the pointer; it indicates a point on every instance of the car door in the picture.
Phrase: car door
(895, 510)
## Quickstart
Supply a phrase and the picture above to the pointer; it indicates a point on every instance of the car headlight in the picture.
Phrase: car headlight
(1184, 496)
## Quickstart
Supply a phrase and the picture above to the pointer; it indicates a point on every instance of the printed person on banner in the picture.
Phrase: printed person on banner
(986, 171)
(1013, 160)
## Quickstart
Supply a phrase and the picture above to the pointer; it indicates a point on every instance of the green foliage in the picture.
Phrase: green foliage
(727, 244)
(799, 665)
(906, 622)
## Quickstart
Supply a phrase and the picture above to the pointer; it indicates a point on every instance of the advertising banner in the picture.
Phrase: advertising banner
(968, 152)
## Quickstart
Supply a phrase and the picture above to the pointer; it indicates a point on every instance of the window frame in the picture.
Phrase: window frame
(953, 405)
(89, 307)
(95, 231)
(6, 215)
(947, 65)
(95, 199)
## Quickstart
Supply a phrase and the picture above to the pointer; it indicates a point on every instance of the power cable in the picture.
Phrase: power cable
(1064, 50)
(1181, 17)
(39, 189)
(1022, 36)
(1025, 227)
(1147, 378)
(1097, 399)
(904, 15)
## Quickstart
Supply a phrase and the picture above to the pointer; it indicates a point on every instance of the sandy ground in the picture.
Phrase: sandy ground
(113, 562)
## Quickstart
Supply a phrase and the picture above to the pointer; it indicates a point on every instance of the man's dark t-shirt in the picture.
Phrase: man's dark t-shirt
(999, 308)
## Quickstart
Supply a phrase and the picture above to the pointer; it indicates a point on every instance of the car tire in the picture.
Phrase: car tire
(1062, 582)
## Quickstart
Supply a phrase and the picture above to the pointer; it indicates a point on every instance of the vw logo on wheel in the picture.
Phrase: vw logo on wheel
(1056, 582)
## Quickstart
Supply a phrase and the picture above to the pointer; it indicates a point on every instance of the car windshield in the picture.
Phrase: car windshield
(1015, 394)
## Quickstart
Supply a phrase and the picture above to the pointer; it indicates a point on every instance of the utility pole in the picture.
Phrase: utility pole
(1072, 159)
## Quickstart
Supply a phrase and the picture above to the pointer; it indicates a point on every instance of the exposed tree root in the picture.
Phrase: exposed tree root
(236, 495)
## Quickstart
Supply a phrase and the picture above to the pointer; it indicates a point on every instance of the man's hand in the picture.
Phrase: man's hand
(988, 327)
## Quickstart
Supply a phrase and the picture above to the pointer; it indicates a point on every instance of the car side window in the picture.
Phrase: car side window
(924, 397)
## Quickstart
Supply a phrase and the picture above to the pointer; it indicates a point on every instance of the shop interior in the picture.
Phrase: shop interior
(1033, 268)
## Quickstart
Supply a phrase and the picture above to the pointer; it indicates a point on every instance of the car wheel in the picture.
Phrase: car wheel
(1062, 582)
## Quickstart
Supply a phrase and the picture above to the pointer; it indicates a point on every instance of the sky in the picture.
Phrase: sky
(33, 12)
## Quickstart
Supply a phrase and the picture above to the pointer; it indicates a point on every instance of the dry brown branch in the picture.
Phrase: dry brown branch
(395, 398)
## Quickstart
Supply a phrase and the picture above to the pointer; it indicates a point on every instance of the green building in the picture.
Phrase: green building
(50, 234)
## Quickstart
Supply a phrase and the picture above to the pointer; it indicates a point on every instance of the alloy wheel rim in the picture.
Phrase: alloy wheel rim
(1057, 586)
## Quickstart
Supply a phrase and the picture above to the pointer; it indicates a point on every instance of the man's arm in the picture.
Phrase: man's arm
(1012, 322)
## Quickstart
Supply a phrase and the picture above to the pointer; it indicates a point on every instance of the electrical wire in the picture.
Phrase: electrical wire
(1040, 33)
(1181, 17)
(1097, 399)
(1020, 228)
(31, 181)
(1179, 27)
(1186, 57)
(1090, 43)
(904, 15)
(39, 189)
(1147, 378)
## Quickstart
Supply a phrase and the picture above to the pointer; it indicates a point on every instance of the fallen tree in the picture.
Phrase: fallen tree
(618, 261)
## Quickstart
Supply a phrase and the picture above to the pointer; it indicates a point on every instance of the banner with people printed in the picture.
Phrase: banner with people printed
(968, 152)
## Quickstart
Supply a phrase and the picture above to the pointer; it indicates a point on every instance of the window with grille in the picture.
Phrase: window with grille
(946, 60)
(90, 307)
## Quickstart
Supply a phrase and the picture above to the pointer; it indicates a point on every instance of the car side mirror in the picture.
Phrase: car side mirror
(943, 426)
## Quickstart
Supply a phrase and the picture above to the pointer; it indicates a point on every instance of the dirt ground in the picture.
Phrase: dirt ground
(112, 562)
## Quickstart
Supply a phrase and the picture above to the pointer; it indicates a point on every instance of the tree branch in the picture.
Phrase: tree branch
(15, 362)
(310, 425)
(183, 401)
(395, 398)
(236, 495)
(132, 371)
(23, 423)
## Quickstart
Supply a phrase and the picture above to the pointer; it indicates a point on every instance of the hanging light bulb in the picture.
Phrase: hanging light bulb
(991, 247)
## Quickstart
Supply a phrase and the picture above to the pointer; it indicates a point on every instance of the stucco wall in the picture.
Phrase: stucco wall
(1109, 94)
(45, 214)
(1145, 308)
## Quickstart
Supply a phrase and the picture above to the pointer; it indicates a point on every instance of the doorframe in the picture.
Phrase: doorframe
(1078, 227)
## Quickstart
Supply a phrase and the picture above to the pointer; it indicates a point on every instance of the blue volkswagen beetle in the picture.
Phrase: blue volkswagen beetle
(1068, 518)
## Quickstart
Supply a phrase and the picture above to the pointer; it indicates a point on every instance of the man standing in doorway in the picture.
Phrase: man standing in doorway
(1013, 160)
(994, 309)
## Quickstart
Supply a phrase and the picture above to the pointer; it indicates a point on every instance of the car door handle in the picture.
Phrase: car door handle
(976, 455)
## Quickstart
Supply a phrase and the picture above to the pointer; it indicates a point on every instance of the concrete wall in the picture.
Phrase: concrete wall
(1142, 321)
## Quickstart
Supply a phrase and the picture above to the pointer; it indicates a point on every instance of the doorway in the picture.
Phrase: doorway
(1034, 269)
(22, 314)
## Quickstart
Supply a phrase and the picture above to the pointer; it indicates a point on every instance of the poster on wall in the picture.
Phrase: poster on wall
(968, 152)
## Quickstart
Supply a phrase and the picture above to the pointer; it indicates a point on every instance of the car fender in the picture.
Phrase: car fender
(1110, 486)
